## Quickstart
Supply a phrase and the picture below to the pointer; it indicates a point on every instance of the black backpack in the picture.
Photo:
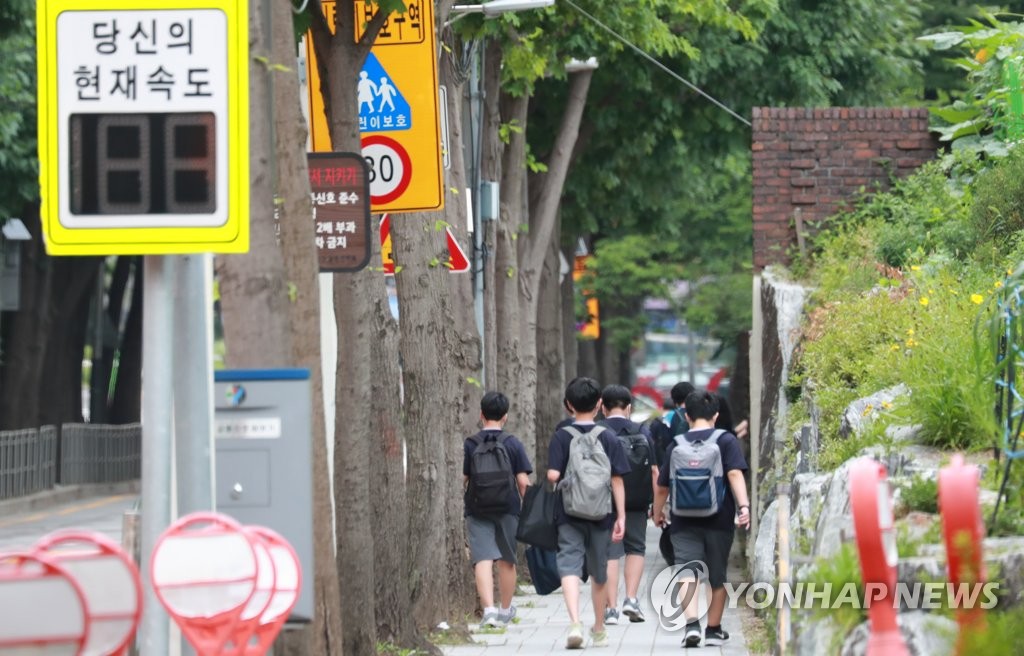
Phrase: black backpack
(638, 481)
(491, 479)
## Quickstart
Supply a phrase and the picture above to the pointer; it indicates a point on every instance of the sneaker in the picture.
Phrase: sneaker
(506, 616)
(692, 637)
(490, 619)
(575, 639)
(631, 609)
(611, 616)
(598, 638)
(715, 636)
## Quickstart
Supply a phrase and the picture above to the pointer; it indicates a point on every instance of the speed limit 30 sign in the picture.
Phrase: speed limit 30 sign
(390, 168)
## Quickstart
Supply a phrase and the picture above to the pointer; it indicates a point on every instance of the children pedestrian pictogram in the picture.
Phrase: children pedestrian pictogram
(382, 107)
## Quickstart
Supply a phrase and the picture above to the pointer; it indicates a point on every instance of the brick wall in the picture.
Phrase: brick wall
(809, 162)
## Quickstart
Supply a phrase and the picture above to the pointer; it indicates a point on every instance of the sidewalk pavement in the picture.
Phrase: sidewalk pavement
(543, 623)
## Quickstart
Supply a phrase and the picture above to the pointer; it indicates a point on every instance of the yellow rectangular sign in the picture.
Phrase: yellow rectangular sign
(143, 126)
(399, 112)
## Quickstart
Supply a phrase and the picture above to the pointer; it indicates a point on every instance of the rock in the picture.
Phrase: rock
(835, 521)
(807, 500)
(926, 634)
(859, 413)
(903, 434)
(813, 637)
(764, 549)
(781, 304)
(1004, 562)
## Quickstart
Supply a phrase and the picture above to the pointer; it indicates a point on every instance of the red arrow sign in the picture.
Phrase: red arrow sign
(457, 260)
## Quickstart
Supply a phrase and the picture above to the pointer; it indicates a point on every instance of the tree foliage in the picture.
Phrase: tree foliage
(18, 157)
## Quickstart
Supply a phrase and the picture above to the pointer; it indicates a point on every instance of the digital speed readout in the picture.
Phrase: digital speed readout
(143, 163)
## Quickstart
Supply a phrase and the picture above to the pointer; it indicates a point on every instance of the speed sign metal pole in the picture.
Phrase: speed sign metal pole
(157, 409)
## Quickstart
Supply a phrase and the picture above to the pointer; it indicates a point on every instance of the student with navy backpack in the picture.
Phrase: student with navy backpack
(617, 404)
(587, 462)
(702, 478)
(496, 470)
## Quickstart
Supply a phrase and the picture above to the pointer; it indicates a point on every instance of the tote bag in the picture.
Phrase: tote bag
(537, 518)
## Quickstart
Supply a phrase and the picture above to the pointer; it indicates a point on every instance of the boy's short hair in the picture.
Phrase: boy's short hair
(616, 397)
(583, 394)
(701, 404)
(680, 391)
(494, 406)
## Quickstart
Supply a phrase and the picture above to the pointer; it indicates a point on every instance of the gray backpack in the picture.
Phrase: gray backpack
(587, 485)
(697, 479)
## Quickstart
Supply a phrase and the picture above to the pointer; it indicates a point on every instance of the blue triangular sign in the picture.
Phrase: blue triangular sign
(382, 107)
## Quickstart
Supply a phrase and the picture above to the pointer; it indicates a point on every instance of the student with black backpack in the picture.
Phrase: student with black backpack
(617, 403)
(702, 477)
(496, 470)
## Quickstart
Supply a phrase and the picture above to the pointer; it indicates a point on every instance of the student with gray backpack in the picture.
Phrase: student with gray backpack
(702, 478)
(496, 470)
(617, 404)
(587, 463)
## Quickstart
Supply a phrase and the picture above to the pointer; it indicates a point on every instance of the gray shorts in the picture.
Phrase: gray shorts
(708, 545)
(492, 538)
(635, 542)
(583, 540)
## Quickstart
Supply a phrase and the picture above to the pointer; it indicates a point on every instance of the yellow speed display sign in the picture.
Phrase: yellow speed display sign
(143, 126)
(398, 108)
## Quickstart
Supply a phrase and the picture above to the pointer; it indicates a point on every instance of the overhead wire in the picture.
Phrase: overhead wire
(657, 63)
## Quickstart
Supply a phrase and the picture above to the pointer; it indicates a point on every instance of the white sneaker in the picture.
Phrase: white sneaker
(575, 639)
(598, 638)
(490, 619)
(611, 616)
(631, 609)
(506, 616)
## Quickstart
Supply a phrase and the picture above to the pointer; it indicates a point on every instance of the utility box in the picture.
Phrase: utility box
(264, 458)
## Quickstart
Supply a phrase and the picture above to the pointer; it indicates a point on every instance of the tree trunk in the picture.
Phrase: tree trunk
(491, 150)
(509, 322)
(254, 285)
(570, 344)
(26, 333)
(550, 353)
(366, 388)
(324, 633)
(126, 402)
(466, 360)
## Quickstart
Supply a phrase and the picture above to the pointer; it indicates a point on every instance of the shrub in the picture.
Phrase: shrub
(1001, 635)
(921, 494)
(998, 210)
(837, 571)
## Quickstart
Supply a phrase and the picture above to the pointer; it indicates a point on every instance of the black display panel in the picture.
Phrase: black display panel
(143, 163)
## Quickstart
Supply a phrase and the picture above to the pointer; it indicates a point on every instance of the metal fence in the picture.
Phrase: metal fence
(28, 461)
(99, 453)
(33, 460)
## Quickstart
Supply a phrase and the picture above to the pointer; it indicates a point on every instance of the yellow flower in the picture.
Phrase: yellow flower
(914, 267)
(910, 331)
(923, 301)
(894, 347)
(931, 292)
(911, 343)
(997, 284)
(886, 405)
(867, 410)
(977, 299)
(1009, 272)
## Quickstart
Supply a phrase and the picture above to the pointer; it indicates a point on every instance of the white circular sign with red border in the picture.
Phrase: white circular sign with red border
(390, 168)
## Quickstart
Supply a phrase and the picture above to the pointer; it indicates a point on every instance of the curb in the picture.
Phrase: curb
(63, 494)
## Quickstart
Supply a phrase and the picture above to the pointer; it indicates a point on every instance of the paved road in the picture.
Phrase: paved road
(544, 623)
(21, 526)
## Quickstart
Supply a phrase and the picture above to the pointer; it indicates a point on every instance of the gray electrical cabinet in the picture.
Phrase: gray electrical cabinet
(264, 458)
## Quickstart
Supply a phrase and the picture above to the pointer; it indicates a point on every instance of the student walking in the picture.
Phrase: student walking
(705, 470)
(617, 404)
(496, 470)
(588, 462)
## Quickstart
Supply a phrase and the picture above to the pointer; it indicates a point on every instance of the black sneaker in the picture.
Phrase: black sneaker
(692, 637)
(715, 636)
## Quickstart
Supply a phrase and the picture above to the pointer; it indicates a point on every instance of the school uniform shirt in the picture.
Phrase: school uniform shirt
(516, 454)
(558, 458)
(732, 458)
